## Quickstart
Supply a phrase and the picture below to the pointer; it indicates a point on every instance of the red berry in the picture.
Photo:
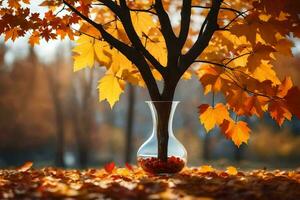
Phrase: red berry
(156, 166)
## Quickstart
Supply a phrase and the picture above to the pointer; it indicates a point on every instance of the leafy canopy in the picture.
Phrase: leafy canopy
(231, 45)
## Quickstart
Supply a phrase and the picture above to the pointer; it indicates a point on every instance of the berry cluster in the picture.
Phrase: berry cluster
(156, 166)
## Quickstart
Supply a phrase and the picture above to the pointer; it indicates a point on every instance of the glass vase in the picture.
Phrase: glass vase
(162, 153)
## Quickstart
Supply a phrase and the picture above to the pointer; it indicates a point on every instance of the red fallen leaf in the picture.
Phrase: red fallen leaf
(25, 167)
(109, 167)
(129, 166)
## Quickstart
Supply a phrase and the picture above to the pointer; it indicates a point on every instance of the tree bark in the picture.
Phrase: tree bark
(163, 110)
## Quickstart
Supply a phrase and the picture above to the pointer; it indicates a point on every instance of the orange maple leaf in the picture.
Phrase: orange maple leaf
(34, 39)
(14, 4)
(12, 34)
(238, 132)
(211, 116)
(279, 111)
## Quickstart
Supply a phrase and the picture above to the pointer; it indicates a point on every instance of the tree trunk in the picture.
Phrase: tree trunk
(83, 154)
(206, 146)
(163, 110)
(130, 118)
(59, 158)
(59, 118)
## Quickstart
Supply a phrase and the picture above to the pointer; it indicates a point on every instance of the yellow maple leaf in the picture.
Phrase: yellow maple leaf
(238, 132)
(206, 168)
(86, 53)
(117, 30)
(142, 22)
(211, 116)
(156, 45)
(231, 170)
(110, 88)
(87, 49)
(265, 72)
(156, 75)
(101, 51)
(119, 62)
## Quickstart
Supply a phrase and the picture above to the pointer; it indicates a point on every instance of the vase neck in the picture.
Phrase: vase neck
(162, 109)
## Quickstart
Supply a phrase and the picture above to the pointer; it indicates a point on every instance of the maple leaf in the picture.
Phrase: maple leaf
(231, 170)
(12, 34)
(47, 34)
(34, 38)
(260, 52)
(212, 78)
(254, 105)
(264, 71)
(206, 168)
(212, 116)
(14, 4)
(25, 167)
(87, 50)
(279, 111)
(285, 86)
(251, 22)
(109, 167)
(238, 132)
(236, 99)
(142, 22)
(292, 100)
(86, 53)
(156, 45)
(26, 1)
(110, 88)
(119, 62)
(284, 47)
(129, 166)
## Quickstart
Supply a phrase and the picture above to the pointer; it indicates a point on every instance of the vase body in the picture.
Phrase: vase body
(162, 153)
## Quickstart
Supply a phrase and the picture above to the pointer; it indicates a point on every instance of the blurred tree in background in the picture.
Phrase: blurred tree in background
(141, 46)
(29, 128)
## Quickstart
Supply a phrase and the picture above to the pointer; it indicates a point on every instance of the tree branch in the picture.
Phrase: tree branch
(232, 59)
(167, 32)
(234, 19)
(143, 10)
(204, 38)
(185, 22)
(214, 63)
(131, 53)
(221, 8)
(126, 20)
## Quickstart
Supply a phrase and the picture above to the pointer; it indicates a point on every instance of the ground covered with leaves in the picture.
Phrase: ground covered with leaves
(131, 182)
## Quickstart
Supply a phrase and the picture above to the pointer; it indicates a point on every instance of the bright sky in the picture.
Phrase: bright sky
(46, 51)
